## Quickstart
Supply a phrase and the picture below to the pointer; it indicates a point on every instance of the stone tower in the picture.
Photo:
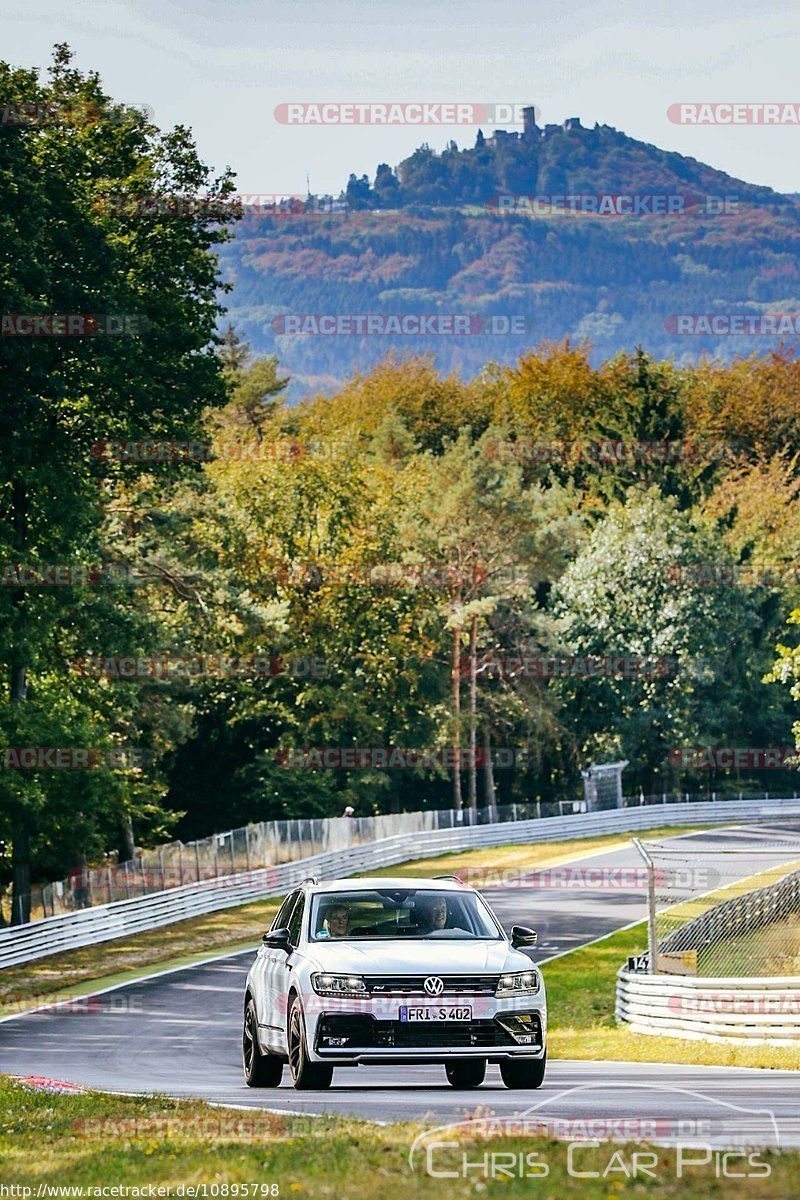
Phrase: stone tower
(529, 129)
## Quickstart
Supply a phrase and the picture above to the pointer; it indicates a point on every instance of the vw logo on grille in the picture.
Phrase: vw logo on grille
(433, 985)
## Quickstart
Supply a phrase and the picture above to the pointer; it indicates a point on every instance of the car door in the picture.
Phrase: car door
(280, 967)
(268, 1019)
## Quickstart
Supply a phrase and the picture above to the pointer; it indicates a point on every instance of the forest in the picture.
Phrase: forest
(429, 588)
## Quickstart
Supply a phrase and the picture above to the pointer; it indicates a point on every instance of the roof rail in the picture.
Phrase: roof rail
(454, 878)
(309, 879)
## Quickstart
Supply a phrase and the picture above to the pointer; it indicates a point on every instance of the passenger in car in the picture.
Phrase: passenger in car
(337, 920)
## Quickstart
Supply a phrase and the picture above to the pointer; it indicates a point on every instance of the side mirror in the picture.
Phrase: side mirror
(521, 936)
(277, 939)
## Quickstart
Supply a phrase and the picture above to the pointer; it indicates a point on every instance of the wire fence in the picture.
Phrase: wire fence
(728, 911)
(270, 843)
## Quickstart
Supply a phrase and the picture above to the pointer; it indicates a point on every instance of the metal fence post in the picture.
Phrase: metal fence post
(651, 906)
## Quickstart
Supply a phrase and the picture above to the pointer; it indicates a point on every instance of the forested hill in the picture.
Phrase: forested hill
(448, 233)
(566, 159)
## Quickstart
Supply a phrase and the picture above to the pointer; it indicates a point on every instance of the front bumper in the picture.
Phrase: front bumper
(497, 1030)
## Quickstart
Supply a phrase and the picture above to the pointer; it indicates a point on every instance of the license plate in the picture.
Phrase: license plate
(445, 1012)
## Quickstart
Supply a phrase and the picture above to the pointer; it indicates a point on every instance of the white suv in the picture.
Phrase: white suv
(393, 971)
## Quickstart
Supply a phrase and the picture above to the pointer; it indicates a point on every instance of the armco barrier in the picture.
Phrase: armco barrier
(765, 1010)
(88, 927)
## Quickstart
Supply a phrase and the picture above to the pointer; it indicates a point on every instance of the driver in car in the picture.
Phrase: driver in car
(431, 913)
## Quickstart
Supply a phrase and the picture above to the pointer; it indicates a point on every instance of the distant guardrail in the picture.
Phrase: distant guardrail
(266, 843)
(53, 935)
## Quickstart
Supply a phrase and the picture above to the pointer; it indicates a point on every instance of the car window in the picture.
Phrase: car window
(401, 913)
(284, 913)
(296, 920)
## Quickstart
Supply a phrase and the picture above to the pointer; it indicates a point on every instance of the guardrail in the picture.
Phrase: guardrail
(266, 843)
(765, 1010)
(25, 943)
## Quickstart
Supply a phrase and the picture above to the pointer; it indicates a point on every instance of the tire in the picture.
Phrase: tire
(466, 1072)
(260, 1070)
(306, 1076)
(523, 1072)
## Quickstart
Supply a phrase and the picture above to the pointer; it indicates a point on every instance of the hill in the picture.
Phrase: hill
(571, 231)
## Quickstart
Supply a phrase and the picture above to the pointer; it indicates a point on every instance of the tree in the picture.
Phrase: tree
(625, 597)
(234, 352)
(65, 250)
(254, 400)
(493, 541)
(358, 192)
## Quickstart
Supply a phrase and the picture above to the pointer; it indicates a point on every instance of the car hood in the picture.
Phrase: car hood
(412, 957)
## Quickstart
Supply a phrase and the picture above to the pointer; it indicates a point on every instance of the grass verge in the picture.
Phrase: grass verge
(92, 1140)
(79, 972)
(581, 991)
(529, 855)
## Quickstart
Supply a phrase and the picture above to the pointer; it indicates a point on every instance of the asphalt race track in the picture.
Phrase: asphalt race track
(179, 1034)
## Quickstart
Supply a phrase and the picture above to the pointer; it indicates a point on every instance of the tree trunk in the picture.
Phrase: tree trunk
(488, 777)
(473, 714)
(126, 845)
(20, 829)
(21, 870)
(457, 801)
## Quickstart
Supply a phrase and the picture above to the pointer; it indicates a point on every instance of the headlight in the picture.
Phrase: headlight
(515, 985)
(338, 985)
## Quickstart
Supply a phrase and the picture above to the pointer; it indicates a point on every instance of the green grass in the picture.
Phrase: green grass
(581, 992)
(527, 856)
(90, 1140)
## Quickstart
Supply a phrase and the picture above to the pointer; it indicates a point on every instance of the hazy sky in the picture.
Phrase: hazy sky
(222, 67)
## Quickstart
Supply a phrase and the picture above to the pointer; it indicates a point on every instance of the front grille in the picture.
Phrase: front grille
(413, 985)
(365, 1033)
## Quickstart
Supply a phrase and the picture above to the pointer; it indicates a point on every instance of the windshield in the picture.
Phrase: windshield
(401, 913)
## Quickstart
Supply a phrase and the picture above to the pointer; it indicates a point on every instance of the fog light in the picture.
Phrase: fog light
(525, 1028)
